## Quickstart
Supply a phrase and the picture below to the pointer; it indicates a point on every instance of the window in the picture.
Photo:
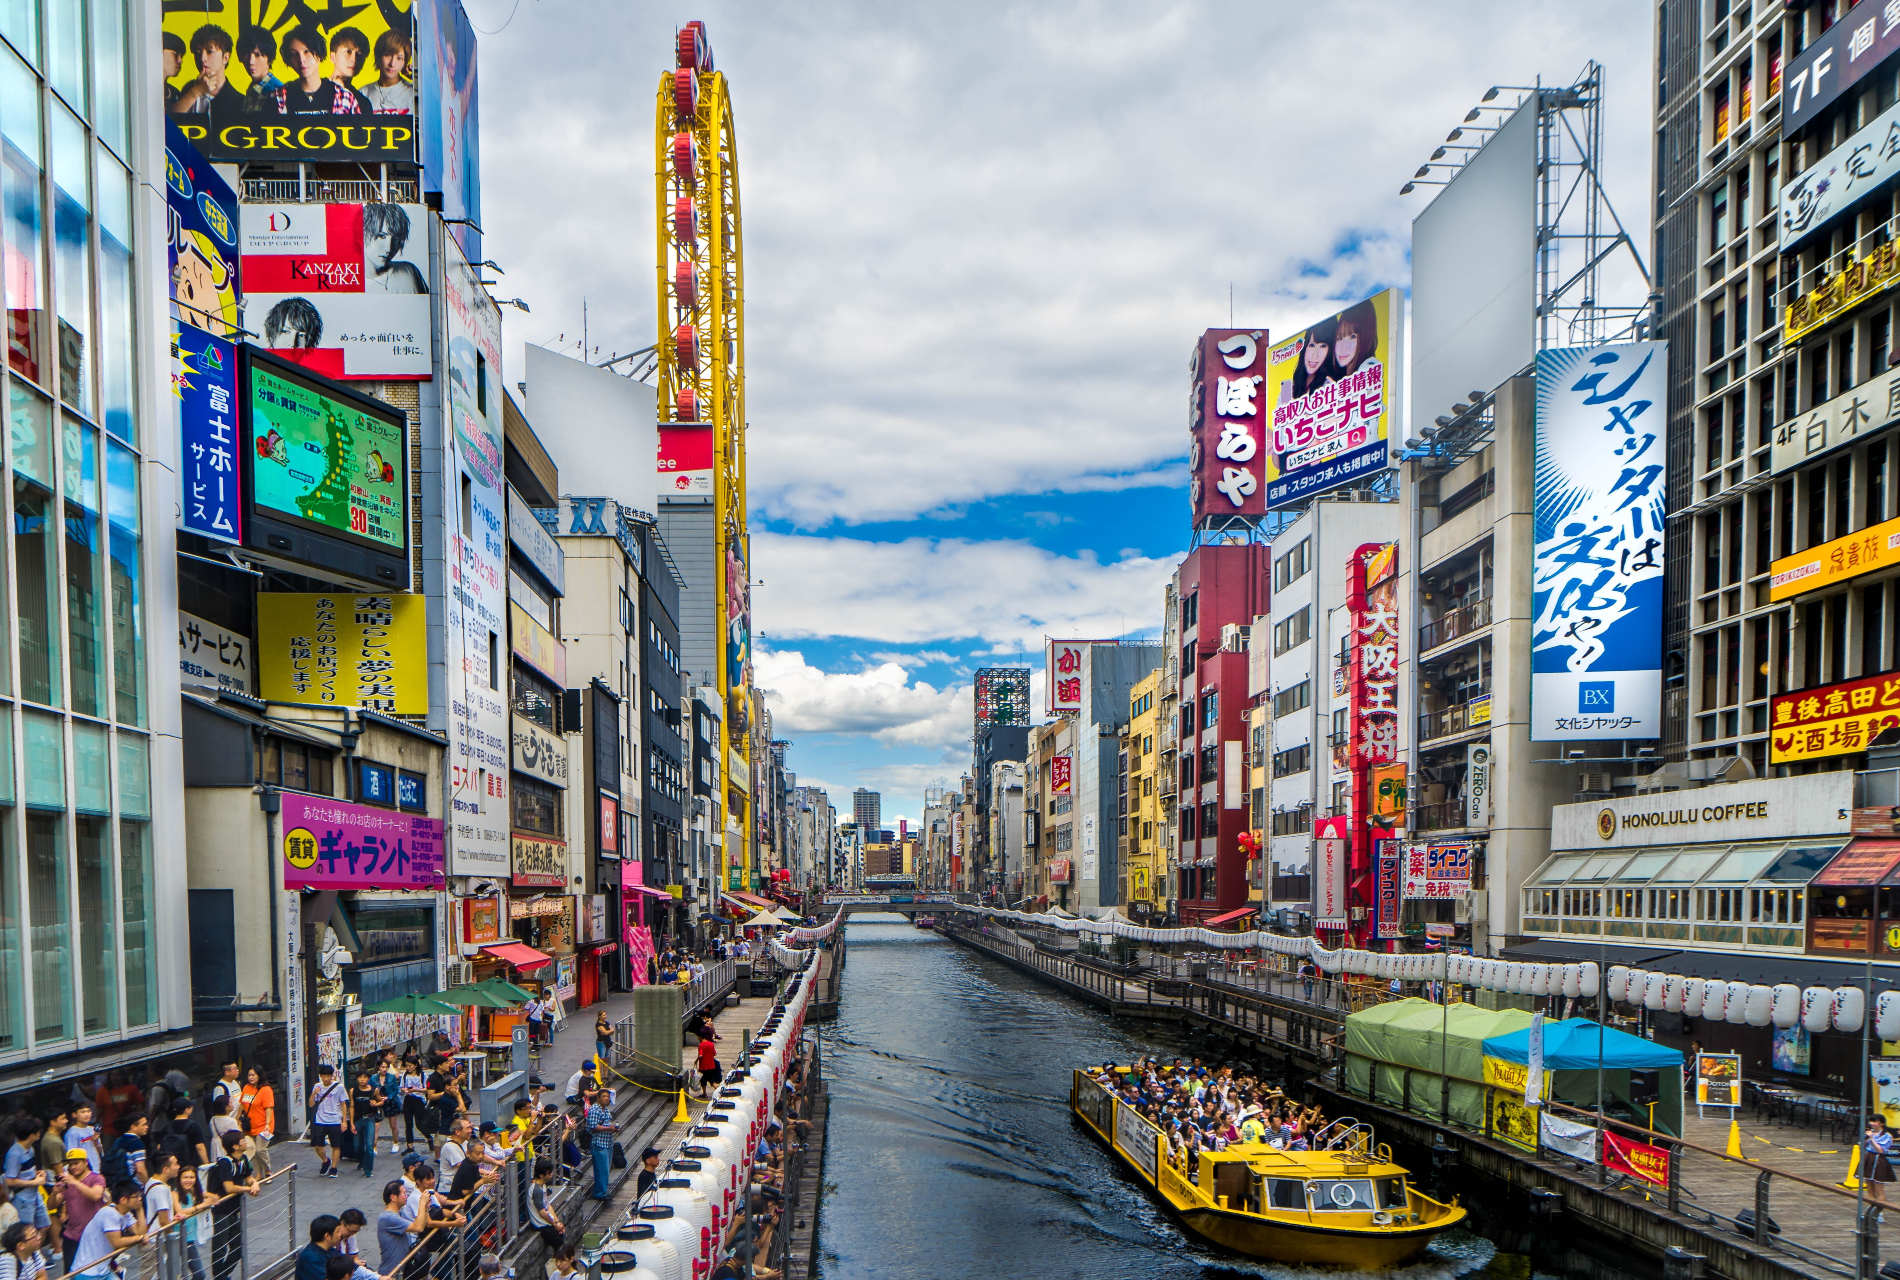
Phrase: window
(297, 767)
(1210, 820)
(1292, 760)
(536, 806)
(1293, 632)
(1287, 701)
(1289, 567)
(1292, 822)
(534, 699)
(1210, 709)
(1210, 765)
(1065, 837)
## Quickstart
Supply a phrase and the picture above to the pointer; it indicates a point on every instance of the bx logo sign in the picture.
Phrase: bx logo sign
(1596, 697)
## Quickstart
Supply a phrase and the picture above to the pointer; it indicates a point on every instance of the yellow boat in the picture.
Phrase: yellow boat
(1347, 1206)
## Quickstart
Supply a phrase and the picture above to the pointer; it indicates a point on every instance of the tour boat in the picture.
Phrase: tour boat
(1347, 1206)
(926, 922)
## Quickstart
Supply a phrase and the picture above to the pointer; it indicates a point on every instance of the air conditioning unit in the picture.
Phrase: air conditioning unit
(1599, 782)
(459, 972)
(1233, 637)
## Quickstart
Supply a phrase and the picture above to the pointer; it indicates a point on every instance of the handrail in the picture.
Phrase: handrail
(207, 1202)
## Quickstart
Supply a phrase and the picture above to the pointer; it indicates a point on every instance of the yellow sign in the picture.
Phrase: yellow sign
(300, 848)
(341, 649)
(1858, 281)
(1506, 1075)
(1804, 571)
(1511, 1120)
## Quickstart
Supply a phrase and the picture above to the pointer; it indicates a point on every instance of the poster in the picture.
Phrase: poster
(210, 657)
(1568, 1138)
(277, 80)
(327, 461)
(295, 1054)
(201, 214)
(1718, 1079)
(1597, 564)
(1640, 1160)
(738, 620)
(1334, 397)
(1388, 796)
(448, 113)
(1886, 1088)
(332, 844)
(1512, 1121)
(1329, 888)
(343, 649)
(538, 862)
(1792, 1049)
(1387, 908)
(474, 612)
(204, 384)
(341, 289)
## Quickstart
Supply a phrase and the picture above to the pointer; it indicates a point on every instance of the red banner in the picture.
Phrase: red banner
(1638, 1159)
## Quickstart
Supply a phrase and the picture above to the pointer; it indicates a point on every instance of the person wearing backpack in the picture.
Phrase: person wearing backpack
(327, 1105)
(126, 1159)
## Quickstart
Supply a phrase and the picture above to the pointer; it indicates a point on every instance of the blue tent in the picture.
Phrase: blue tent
(1575, 1043)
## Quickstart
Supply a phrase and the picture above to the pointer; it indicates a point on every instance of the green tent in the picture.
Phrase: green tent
(1390, 1042)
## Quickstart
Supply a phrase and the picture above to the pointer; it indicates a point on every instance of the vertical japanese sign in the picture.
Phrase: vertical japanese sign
(1333, 397)
(1334, 841)
(1227, 425)
(1386, 896)
(204, 381)
(1062, 661)
(1477, 785)
(1372, 684)
(1597, 564)
(202, 238)
(1061, 774)
(475, 606)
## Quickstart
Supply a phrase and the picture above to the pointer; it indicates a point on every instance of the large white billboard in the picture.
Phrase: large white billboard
(596, 425)
(1474, 273)
(1597, 526)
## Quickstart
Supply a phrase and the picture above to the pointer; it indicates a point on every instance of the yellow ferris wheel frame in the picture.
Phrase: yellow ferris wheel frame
(715, 373)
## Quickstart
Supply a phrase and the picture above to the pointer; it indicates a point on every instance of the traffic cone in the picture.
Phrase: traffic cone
(1853, 1166)
(1734, 1140)
(680, 1116)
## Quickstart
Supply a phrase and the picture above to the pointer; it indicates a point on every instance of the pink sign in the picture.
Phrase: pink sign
(632, 876)
(331, 844)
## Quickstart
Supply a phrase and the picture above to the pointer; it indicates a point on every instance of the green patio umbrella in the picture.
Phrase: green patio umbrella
(474, 994)
(503, 987)
(412, 1004)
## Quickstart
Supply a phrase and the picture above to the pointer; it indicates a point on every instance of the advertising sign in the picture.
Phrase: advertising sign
(209, 657)
(1060, 870)
(1437, 871)
(1062, 676)
(1850, 170)
(1718, 1079)
(1388, 796)
(1137, 1138)
(535, 645)
(685, 464)
(1835, 62)
(1597, 564)
(333, 464)
(1845, 289)
(1332, 847)
(202, 241)
(481, 920)
(1568, 1138)
(341, 289)
(474, 608)
(1227, 419)
(343, 650)
(1758, 809)
(1386, 906)
(1061, 774)
(607, 830)
(1885, 1093)
(738, 621)
(204, 382)
(266, 82)
(537, 862)
(1638, 1159)
(329, 844)
(1832, 720)
(1849, 417)
(1849, 557)
(1478, 784)
(448, 117)
(1333, 399)
(538, 753)
(1512, 1121)
(536, 545)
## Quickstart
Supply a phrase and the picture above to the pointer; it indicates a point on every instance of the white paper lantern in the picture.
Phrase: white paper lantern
(1786, 1010)
(1439, 967)
(1653, 991)
(1887, 1015)
(1617, 984)
(1540, 980)
(1714, 999)
(1572, 983)
(1692, 992)
(1455, 967)
(1817, 1003)
(1758, 1009)
(1589, 980)
(1672, 992)
(1736, 1007)
(1850, 1008)
(1638, 980)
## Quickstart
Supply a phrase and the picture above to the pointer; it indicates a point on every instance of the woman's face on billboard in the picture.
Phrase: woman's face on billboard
(1315, 355)
(1346, 346)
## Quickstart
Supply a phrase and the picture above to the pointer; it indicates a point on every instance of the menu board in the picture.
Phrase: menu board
(1718, 1079)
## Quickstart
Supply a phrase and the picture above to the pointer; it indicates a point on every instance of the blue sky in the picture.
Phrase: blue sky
(980, 241)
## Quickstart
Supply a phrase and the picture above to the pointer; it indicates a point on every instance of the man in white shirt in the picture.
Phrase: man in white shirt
(111, 1229)
(326, 1121)
(454, 1150)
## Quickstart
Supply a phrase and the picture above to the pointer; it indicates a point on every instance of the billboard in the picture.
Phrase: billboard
(1818, 75)
(1002, 696)
(1062, 672)
(1474, 273)
(1227, 425)
(1061, 774)
(1832, 720)
(201, 214)
(1334, 399)
(1849, 417)
(330, 844)
(1876, 547)
(685, 464)
(738, 618)
(341, 289)
(344, 650)
(475, 607)
(1437, 871)
(1852, 169)
(1597, 527)
(1333, 846)
(1837, 294)
(326, 459)
(450, 149)
(536, 862)
(205, 387)
(597, 423)
(256, 80)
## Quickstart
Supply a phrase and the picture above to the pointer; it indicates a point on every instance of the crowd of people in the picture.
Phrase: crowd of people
(1200, 1108)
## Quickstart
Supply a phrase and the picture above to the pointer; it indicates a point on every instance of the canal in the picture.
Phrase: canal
(950, 1151)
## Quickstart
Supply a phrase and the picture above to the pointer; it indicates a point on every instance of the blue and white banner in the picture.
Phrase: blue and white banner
(1597, 568)
(204, 382)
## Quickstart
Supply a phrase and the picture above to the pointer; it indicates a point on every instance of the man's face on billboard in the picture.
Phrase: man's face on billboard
(343, 61)
(258, 64)
(307, 61)
(212, 62)
(379, 250)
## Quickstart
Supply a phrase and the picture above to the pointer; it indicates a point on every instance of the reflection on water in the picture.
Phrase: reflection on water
(951, 1152)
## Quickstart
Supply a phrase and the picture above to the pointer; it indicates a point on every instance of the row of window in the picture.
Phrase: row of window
(1294, 564)
(1293, 632)
(1727, 906)
(1293, 760)
(1287, 701)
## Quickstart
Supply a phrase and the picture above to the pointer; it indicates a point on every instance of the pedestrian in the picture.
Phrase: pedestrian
(126, 1159)
(82, 1191)
(709, 1070)
(603, 1037)
(220, 1111)
(392, 1226)
(327, 1105)
(228, 1085)
(454, 1148)
(541, 1214)
(24, 1177)
(388, 1081)
(53, 1145)
(115, 1226)
(535, 1015)
(414, 1103)
(257, 1114)
(189, 1203)
(313, 1260)
(84, 1135)
(365, 1113)
(601, 1129)
(1876, 1160)
(20, 1252)
(231, 1176)
(649, 1172)
(156, 1199)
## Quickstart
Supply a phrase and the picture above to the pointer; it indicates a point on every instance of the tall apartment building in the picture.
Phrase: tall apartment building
(867, 809)
(1142, 863)
(1108, 672)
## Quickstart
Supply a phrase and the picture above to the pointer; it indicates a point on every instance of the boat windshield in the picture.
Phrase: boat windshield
(1358, 1194)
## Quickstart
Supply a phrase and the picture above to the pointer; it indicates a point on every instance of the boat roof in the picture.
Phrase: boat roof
(1314, 1164)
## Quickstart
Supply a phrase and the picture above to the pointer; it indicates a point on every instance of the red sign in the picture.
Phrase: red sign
(610, 824)
(481, 920)
(685, 463)
(1061, 774)
(1638, 1159)
(1227, 425)
(1832, 720)
(1059, 870)
(1372, 660)
(1063, 675)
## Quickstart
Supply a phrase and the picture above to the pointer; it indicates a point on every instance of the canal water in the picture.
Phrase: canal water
(950, 1149)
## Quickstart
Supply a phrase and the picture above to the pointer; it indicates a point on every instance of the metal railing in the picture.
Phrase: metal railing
(1454, 623)
(1472, 714)
(329, 191)
(1439, 817)
(239, 1236)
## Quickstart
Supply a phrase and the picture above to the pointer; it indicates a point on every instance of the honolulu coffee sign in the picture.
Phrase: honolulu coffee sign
(1762, 809)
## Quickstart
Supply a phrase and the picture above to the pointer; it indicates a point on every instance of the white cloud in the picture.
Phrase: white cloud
(917, 658)
(880, 701)
(924, 590)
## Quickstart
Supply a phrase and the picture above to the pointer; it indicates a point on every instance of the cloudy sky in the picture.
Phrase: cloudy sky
(980, 240)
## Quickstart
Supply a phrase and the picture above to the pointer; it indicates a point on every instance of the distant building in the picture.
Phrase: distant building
(867, 809)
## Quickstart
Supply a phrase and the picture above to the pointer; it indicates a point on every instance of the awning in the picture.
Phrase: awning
(519, 954)
(1863, 862)
(648, 890)
(752, 900)
(1231, 915)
